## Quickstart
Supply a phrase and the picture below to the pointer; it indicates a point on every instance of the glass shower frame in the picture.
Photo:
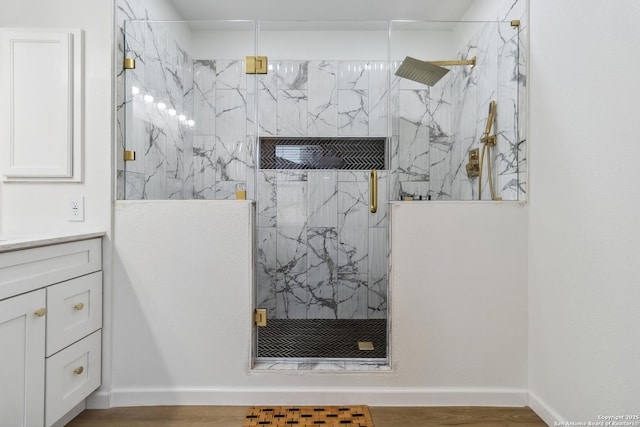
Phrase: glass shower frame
(178, 161)
(311, 263)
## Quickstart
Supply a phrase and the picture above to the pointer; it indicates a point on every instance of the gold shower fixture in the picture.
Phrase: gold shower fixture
(488, 140)
(428, 72)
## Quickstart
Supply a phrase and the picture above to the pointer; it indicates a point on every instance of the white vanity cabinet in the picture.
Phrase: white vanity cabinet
(50, 331)
(22, 335)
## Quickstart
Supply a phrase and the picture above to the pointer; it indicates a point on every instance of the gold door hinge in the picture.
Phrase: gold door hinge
(515, 23)
(129, 155)
(129, 64)
(255, 65)
(260, 317)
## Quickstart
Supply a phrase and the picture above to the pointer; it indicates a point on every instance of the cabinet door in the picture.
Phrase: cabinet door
(41, 106)
(22, 334)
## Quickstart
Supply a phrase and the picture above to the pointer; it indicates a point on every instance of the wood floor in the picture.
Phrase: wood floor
(233, 416)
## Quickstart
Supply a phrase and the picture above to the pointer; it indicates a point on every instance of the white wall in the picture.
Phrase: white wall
(182, 309)
(332, 45)
(32, 207)
(584, 209)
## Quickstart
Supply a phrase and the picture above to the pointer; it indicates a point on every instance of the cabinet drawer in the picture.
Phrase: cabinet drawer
(72, 375)
(74, 310)
(29, 269)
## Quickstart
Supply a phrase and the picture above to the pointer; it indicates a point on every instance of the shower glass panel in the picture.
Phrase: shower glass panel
(188, 114)
(302, 141)
(434, 128)
(322, 255)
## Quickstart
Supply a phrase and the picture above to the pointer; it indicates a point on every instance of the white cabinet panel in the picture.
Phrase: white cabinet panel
(41, 105)
(74, 310)
(72, 374)
(25, 270)
(22, 335)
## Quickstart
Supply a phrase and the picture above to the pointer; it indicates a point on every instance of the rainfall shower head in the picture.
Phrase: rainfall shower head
(428, 73)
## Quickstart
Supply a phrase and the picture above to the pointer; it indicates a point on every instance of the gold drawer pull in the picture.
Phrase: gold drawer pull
(78, 370)
(41, 312)
(79, 306)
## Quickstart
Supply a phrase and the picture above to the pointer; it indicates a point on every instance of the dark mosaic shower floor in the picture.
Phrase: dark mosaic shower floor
(322, 338)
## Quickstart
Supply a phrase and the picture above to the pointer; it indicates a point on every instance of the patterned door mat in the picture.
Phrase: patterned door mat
(304, 416)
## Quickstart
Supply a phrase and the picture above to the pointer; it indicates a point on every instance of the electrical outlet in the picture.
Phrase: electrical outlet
(76, 209)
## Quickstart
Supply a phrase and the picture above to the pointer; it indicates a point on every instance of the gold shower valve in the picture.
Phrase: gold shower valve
(473, 167)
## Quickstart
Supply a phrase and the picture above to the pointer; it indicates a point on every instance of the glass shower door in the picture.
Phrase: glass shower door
(322, 254)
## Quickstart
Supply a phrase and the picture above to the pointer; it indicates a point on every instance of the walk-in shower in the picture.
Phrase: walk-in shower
(322, 143)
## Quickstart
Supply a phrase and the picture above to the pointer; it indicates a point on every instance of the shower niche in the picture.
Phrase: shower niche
(304, 141)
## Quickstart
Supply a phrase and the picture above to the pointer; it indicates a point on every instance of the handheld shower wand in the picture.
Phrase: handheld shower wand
(488, 140)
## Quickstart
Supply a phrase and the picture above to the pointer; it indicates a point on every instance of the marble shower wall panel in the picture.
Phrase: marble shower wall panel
(292, 298)
(440, 140)
(377, 274)
(231, 112)
(522, 106)
(231, 164)
(267, 198)
(507, 98)
(353, 249)
(204, 85)
(323, 98)
(353, 98)
(291, 216)
(322, 273)
(378, 98)
(322, 229)
(267, 111)
(204, 158)
(292, 112)
(323, 199)
(266, 271)
(414, 124)
(465, 131)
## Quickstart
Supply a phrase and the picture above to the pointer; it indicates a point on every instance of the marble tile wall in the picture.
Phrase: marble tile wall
(155, 110)
(433, 128)
(321, 253)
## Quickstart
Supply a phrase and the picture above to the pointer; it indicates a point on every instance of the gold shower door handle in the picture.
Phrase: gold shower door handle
(373, 191)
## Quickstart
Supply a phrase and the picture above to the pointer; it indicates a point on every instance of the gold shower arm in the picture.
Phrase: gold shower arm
(471, 62)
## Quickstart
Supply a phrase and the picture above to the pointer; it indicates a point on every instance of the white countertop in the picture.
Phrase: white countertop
(15, 242)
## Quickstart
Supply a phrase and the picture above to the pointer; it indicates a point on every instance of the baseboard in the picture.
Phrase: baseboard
(544, 411)
(99, 400)
(513, 397)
